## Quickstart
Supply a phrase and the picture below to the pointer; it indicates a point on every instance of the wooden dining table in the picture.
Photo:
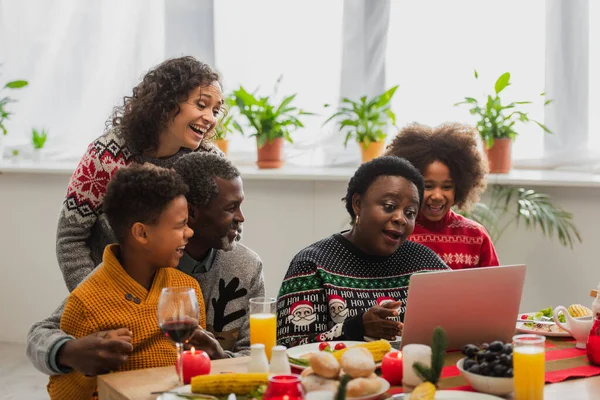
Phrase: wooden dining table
(138, 385)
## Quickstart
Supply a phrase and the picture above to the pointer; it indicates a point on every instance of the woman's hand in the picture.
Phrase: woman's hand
(376, 324)
(204, 340)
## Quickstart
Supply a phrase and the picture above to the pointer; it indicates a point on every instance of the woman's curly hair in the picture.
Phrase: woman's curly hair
(453, 144)
(155, 100)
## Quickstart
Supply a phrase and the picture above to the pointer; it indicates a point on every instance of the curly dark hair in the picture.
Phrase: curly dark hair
(146, 113)
(200, 170)
(140, 193)
(454, 145)
(366, 174)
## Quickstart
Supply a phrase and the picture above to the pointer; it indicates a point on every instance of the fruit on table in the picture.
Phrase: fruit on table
(577, 310)
(340, 346)
(378, 349)
(493, 359)
(424, 391)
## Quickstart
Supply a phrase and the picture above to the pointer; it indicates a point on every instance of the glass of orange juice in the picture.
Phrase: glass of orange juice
(528, 366)
(263, 323)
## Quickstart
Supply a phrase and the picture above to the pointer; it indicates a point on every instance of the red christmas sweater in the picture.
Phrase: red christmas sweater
(459, 241)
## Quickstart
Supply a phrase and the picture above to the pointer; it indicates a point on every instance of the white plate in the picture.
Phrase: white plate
(169, 396)
(550, 330)
(298, 351)
(460, 395)
(385, 386)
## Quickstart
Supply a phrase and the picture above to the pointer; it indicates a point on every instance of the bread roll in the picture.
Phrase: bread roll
(325, 365)
(358, 362)
(315, 382)
(363, 387)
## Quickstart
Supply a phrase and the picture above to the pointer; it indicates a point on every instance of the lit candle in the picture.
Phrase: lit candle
(195, 362)
(391, 368)
(413, 353)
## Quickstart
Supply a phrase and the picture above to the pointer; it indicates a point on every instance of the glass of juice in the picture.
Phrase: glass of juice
(528, 366)
(263, 322)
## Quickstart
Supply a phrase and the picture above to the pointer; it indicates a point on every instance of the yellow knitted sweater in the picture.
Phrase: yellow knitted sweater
(111, 299)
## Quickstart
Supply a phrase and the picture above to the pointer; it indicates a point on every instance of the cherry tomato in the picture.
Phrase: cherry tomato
(524, 316)
(323, 346)
(340, 346)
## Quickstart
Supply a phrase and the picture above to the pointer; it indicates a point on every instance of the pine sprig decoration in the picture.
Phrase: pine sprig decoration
(343, 386)
(439, 343)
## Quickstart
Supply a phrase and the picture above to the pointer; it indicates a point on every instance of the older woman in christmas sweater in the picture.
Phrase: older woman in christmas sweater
(352, 284)
(455, 174)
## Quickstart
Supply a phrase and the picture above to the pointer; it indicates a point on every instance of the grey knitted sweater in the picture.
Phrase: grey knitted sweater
(235, 277)
(83, 231)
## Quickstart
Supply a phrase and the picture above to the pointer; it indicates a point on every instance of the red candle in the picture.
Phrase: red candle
(391, 368)
(195, 362)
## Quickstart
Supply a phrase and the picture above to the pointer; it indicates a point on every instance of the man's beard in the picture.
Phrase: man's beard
(226, 245)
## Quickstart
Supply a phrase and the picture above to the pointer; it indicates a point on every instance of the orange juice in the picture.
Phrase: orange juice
(263, 329)
(528, 367)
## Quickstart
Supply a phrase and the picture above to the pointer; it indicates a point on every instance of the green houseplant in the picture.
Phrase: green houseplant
(4, 113)
(366, 120)
(227, 125)
(270, 121)
(497, 123)
(38, 139)
(514, 205)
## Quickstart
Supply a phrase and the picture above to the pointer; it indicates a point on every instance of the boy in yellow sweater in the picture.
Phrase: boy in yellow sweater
(147, 210)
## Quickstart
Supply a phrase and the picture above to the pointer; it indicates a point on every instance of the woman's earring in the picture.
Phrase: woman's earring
(357, 221)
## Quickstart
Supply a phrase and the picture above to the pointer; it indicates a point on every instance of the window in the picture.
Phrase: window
(80, 58)
(434, 46)
(257, 41)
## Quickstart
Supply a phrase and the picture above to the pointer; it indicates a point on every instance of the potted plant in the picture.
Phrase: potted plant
(271, 123)
(226, 125)
(367, 120)
(510, 205)
(496, 124)
(4, 114)
(38, 139)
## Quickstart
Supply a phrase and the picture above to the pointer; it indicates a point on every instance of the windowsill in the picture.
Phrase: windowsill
(550, 178)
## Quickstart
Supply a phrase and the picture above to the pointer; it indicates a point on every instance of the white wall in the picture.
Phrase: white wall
(282, 216)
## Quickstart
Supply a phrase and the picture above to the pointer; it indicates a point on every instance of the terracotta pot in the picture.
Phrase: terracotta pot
(372, 150)
(223, 145)
(499, 156)
(270, 155)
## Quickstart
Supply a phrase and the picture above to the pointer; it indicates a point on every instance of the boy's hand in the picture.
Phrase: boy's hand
(98, 353)
(204, 340)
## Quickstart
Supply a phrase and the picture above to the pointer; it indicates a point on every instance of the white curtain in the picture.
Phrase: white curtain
(80, 58)
(567, 83)
(434, 46)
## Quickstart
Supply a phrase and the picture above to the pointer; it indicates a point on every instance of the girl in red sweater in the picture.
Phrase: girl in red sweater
(455, 175)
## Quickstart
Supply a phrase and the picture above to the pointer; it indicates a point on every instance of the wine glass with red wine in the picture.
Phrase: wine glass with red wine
(178, 318)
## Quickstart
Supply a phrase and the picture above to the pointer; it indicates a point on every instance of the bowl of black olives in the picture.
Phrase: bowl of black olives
(488, 368)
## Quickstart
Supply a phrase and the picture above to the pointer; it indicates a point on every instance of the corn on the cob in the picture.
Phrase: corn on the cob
(224, 384)
(425, 391)
(377, 348)
(577, 310)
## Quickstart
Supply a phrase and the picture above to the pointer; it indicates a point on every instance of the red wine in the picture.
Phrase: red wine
(179, 331)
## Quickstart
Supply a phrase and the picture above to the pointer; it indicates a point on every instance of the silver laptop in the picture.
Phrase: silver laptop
(474, 305)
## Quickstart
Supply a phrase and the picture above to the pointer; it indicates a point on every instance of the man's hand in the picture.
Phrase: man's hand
(376, 324)
(98, 353)
(204, 340)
